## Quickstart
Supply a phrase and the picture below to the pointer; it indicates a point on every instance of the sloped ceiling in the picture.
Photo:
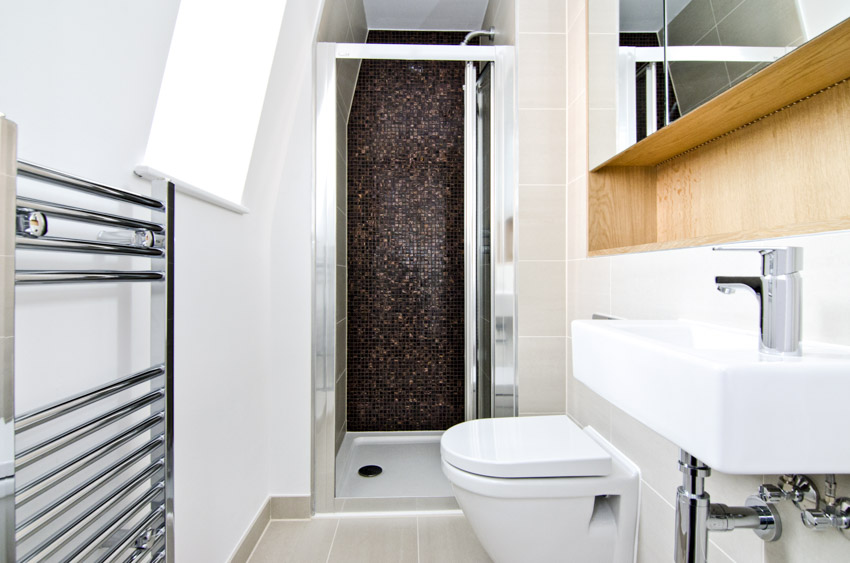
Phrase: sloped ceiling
(435, 15)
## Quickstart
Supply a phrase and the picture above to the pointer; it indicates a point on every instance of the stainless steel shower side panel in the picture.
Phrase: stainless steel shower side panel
(8, 173)
(162, 342)
(324, 281)
(470, 242)
(503, 234)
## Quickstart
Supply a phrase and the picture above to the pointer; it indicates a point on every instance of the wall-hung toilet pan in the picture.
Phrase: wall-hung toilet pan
(541, 489)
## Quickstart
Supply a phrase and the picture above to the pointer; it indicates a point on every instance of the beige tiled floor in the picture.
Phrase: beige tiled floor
(422, 539)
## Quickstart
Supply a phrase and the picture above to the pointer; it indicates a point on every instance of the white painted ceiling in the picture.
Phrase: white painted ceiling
(435, 15)
(647, 15)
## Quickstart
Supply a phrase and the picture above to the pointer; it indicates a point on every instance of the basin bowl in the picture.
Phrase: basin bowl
(708, 390)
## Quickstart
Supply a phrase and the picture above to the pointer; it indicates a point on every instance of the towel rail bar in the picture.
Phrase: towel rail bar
(62, 537)
(95, 540)
(41, 277)
(25, 493)
(45, 516)
(27, 204)
(131, 536)
(43, 449)
(49, 412)
(38, 172)
(93, 484)
(60, 244)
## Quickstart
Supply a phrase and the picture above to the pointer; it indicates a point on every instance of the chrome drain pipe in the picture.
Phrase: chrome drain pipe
(695, 515)
(692, 510)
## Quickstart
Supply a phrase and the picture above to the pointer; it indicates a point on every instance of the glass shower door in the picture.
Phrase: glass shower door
(480, 390)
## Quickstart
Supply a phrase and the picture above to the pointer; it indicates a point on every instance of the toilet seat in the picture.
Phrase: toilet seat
(527, 447)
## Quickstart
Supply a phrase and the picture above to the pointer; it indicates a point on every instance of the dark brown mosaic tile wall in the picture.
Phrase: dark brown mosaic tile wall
(405, 242)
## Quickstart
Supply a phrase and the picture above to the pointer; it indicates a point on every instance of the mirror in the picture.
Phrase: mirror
(652, 61)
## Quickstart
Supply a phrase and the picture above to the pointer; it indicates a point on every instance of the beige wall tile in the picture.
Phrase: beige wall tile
(542, 375)
(717, 555)
(602, 143)
(366, 540)
(347, 72)
(604, 16)
(542, 146)
(542, 67)
(657, 457)
(542, 16)
(341, 126)
(575, 9)
(334, 24)
(357, 20)
(655, 530)
(340, 405)
(586, 407)
(541, 296)
(589, 287)
(577, 58)
(577, 139)
(501, 14)
(542, 222)
(341, 238)
(577, 222)
(339, 438)
(341, 292)
(341, 345)
(602, 75)
(449, 538)
(342, 179)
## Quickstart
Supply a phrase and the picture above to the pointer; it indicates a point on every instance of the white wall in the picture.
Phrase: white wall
(80, 80)
(82, 83)
(283, 159)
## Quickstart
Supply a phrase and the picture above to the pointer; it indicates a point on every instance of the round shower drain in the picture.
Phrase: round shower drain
(370, 471)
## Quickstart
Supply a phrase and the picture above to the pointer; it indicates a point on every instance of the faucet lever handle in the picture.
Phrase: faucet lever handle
(777, 261)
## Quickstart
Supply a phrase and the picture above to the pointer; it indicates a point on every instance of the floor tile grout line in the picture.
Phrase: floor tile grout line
(418, 548)
(333, 539)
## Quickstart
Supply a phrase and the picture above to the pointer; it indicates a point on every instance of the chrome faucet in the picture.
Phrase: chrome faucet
(778, 291)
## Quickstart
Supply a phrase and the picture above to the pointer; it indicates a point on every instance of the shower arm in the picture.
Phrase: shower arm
(473, 34)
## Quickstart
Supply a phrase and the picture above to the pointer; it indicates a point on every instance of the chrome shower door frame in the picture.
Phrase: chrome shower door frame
(503, 237)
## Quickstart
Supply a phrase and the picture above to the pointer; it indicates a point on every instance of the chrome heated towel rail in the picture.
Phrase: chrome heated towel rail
(90, 476)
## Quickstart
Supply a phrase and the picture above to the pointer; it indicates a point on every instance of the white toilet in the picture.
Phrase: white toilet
(541, 489)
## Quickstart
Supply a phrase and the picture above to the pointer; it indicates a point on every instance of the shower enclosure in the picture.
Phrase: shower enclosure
(489, 209)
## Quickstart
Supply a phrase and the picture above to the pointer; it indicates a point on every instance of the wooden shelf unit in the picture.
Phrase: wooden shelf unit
(770, 157)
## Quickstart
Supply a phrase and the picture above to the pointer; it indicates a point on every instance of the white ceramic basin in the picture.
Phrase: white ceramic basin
(709, 391)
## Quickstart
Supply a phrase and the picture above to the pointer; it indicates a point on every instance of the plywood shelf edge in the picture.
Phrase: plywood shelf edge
(841, 224)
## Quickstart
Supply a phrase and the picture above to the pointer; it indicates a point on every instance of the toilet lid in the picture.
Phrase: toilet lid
(538, 446)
